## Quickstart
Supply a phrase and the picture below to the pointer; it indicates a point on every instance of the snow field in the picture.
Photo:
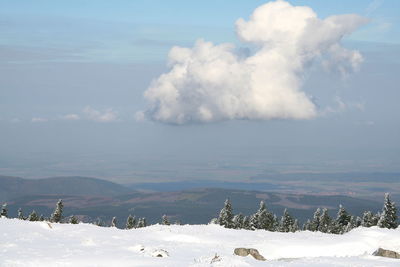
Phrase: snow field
(25, 243)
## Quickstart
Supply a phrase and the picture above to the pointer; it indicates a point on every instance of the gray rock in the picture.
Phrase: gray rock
(386, 253)
(249, 251)
(257, 255)
(242, 252)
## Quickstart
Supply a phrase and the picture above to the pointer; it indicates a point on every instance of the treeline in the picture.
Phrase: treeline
(57, 217)
(262, 219)
(321, 221)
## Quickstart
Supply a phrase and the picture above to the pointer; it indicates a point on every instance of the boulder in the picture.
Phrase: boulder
(249, 251)
(386, 253)
(242, 252)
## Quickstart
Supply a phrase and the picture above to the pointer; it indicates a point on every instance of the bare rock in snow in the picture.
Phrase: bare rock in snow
(246, 251)
(386, 253)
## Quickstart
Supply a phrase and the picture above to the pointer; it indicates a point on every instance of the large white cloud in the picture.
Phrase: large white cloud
(210, 82)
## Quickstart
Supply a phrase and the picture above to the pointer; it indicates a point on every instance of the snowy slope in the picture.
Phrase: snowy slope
(36, 244)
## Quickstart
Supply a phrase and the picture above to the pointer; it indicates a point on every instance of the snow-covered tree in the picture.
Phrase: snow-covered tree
(130, 222)
(99, 222)
(286, 223)
(262, 219)
(238, 221)
(314, 224)
(164, 220)
(358, 221)
(57, 214)
(325, 221)
(33, 217)
(114, 222)
(246, 223)
(73, 220)
(367, 219)
(41, 218)
(307, 225)
(142, 223)
(388, 218)
(226, 215)
(20, 215)
(350, 225)
(4, 211)
(343, 218)
(295, 227)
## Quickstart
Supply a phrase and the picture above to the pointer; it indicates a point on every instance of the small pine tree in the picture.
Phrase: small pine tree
(342, 219)
(33, 217)
(286, 222)
(73, 220)
(307, 225)
(57, 214)
(246, 223)
(99, 222)
(41, 218)
(350, 225)
(388, 218)
(295, 227)
(226, 215)
(164, 220)
(238, 221)
(367, 219)
(4, 211)
(142, 223)
(358, 221)
(20, 215)
(114, 222)
(130, 222)
(314, 224)
(325, 222)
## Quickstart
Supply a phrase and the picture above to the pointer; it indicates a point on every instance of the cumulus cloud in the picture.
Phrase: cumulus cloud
(109, 115)
(211, 82)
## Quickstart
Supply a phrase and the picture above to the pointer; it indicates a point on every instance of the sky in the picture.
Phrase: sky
(87, 88)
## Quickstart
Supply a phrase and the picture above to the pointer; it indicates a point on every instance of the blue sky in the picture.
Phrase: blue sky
(94, 59)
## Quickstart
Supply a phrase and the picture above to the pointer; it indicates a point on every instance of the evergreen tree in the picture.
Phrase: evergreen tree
(214, 221)
(388, 218)
(351, 224)
(295, 227)
(307, 225)
(238, 221)
(4, 211)
(114, 222)
(286, 223)
(367, 219)
(246, 223)
(314, 224)
(73, 220)
(33, 217)
(57, 214)
(41, 218)
(324, 222)
(342, 219)
(141, 223)
(164, 220)
(20, 215)
(99, 222)
(226, 215)
(130, 222)
(358, 221)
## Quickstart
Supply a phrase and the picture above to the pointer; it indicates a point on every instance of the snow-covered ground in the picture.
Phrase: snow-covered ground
(37, 244)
